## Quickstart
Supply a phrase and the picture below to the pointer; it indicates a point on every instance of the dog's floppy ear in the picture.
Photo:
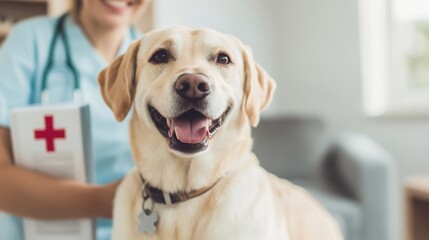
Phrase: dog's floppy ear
(258, 87)
(117, 82)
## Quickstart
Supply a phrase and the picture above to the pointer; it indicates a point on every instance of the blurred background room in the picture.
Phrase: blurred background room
(350, 117)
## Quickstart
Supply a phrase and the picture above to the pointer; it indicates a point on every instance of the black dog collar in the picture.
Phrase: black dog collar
(158, 196)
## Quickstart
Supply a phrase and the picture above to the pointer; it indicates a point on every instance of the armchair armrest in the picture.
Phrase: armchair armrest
(368, 173)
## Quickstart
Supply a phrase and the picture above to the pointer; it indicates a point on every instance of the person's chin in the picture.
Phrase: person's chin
(114, 21)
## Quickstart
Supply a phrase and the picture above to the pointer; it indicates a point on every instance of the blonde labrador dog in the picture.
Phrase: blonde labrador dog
(194, 95)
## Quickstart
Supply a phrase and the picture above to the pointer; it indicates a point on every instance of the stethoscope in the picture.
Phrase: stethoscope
(50, 65)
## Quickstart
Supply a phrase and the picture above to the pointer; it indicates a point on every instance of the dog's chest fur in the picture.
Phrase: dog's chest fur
(237, 208)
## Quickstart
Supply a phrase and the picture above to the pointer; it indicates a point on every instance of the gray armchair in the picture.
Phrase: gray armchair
(352, 177)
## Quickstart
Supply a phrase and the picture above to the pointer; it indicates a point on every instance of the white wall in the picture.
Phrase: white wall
(311, 47)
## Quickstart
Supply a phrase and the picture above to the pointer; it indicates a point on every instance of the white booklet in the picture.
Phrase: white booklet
(54, 140)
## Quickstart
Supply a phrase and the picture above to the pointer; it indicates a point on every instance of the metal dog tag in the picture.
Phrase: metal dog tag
(147, 222)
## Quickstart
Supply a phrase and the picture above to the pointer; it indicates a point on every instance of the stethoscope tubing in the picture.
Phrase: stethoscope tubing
(60, 32)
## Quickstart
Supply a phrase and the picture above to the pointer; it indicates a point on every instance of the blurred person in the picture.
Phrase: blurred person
(96, 32)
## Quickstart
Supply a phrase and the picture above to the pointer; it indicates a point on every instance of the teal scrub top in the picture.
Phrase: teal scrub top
(23, 57)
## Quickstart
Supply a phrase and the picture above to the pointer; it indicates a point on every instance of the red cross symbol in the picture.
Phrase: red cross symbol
(49, 134)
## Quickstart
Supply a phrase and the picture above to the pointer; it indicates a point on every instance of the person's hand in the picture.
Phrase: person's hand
(105, 196)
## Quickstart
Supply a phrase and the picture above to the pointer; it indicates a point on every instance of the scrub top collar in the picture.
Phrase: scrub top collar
(81, 46)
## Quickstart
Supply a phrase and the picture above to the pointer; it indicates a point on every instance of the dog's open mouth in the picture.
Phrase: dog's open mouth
(189, 132)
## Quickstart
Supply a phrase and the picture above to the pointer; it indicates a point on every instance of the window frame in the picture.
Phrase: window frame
(385, 92)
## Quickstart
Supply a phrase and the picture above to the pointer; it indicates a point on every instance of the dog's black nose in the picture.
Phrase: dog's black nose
(193, 86)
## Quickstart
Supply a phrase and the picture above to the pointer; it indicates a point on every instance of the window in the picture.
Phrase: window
(395, 56)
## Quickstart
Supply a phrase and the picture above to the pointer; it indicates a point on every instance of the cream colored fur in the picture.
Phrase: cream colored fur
(248, 203)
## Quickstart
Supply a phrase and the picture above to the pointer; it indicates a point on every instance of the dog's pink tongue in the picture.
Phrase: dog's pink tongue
(190, 130)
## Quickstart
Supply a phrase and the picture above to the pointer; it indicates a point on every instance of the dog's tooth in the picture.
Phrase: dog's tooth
(168, 122)
(211, 134)
(210, 122)
(177, 134)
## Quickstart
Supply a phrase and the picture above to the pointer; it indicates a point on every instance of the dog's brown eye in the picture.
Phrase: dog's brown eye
(223, 59)
(159, 57)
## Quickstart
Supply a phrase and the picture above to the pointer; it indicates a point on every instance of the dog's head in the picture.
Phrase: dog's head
(188, 88)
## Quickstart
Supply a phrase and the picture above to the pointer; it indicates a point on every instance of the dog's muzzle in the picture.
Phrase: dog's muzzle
(192, 128)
